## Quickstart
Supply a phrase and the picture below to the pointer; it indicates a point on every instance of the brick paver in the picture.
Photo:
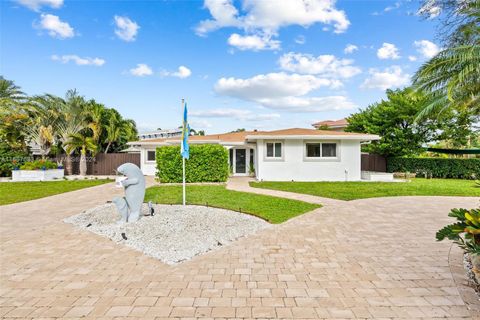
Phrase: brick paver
(372, 258)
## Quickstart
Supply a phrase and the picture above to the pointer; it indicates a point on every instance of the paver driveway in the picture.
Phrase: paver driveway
(373, 258)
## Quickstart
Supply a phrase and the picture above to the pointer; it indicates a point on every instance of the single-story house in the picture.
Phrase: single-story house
(281, 155)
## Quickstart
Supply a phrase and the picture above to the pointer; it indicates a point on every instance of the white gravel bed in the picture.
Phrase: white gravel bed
(175, 233)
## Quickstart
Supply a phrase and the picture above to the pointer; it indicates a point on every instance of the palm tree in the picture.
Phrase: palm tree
(84, 143)
(451, 79)
(114, 130)
(10, 93)
(95, 112)
(72, 122)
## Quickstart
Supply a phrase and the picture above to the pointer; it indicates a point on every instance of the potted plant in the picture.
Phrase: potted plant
(38, 170)
(15, 164)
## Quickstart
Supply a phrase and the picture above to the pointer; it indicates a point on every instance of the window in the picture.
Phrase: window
(321, 150)
(274, 149)
(329, 150)
(313, 150)
(150, 155)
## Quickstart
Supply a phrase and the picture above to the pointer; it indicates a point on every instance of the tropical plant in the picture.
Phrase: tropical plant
(39, 165)
(451, 79)
(84, 143)
(465, 232)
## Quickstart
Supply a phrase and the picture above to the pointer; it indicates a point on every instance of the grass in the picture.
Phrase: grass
(361, 190)
(272, 209)
(13, 192)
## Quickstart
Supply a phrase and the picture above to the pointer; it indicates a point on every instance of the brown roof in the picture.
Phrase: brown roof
(240, 137)
(303, 132)
(332, 123)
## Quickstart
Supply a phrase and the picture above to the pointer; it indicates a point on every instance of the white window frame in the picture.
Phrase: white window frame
(321, 158)
(282, 150)
(146, 155)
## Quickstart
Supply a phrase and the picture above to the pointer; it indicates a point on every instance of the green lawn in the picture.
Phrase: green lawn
(272, 209)
(12, 192)
(360, 190)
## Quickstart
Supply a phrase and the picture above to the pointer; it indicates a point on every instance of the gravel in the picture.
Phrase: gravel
(175, 233)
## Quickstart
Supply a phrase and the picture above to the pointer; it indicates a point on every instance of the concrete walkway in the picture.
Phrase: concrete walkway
(373, 258)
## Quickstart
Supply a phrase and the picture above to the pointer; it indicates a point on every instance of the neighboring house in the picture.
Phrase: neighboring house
(169, 133)
(280, 155)
(334, 125)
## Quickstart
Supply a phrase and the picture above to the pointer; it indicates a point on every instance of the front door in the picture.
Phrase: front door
(240, 161)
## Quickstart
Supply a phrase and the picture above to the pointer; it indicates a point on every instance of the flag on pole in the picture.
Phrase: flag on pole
(185, 149)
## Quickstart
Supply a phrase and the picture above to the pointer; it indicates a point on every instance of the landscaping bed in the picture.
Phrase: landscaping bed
(174, 233)
(272, 209)
(361, 190)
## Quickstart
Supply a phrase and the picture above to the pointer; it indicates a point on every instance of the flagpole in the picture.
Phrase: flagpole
(183, 158)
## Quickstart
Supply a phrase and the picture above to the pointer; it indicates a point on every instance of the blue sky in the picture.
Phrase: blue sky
(239, 64)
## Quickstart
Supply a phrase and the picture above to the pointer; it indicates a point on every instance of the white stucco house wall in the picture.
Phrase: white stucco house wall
(282, 155)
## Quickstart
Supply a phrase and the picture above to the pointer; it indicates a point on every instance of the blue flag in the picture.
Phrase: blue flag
(185, 149)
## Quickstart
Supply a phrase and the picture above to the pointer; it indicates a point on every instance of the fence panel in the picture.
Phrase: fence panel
(373, 162)
(106, 164)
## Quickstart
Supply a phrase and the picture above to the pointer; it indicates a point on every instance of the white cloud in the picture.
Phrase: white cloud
(412, 58)
(182, 73)
(324, 65)
(86, 61)
(271, 85)
(55, 27)
(309, 104)
(430, 9)
(200, 124)
(36, 5)
(427, 48)
(388, 51)
(141, 70)
(392, 77)
(253, 42)
(268, 16)
(238, 114)
(350, 48)
(283, 91)
(300, 39)
(394, 7)
(126, 29)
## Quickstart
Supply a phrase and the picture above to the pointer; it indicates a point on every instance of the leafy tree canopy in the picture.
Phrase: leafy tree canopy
(394, 120)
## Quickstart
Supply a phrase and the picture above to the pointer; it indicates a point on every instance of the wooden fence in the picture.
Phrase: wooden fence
(104, 164)
(373, 162)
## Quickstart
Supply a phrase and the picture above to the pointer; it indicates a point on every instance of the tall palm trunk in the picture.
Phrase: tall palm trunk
(83, 162)
(68, 164)
(108, 146)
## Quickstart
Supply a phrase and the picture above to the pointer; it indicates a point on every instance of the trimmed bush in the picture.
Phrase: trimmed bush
(207, 163)
(39, 165)
(10, 160)
(437, 167)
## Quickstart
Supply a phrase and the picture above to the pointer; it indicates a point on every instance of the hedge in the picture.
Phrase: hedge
(11, 159)
(437, 167)
(207, 163)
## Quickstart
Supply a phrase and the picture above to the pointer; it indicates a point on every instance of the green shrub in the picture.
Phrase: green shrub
(207, 163)
(437, 167)
(39, 165)
(10, 159)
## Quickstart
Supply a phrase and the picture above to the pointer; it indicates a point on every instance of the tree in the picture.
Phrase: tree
(72, 122)
(84, 143)
(459, 20)
(451, 79)
(394, 120)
